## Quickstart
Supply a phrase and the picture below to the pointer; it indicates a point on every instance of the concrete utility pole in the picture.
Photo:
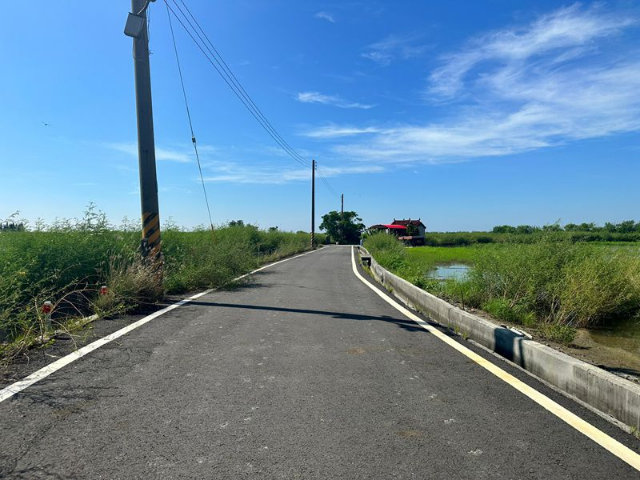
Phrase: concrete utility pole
(313, 203)
(137, 29)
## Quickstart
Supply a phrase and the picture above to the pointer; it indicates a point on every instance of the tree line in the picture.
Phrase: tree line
(627, 226)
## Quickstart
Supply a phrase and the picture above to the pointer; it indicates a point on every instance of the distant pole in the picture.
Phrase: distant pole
(313, 203)
(146, 142)
(342, 207)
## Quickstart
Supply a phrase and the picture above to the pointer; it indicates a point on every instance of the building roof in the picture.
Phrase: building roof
(391, 226)
(417, 223)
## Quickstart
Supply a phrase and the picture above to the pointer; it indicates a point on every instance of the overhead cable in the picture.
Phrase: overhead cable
(235, 80)
(234, 84)
(186, 104)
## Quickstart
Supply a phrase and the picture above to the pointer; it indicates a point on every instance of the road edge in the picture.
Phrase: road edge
(607, 393)
(613, 446)
(16, 387)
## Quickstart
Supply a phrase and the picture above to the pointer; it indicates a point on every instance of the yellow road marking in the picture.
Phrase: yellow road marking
(619, 450)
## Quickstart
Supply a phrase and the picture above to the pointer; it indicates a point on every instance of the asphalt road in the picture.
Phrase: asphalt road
(303, 373)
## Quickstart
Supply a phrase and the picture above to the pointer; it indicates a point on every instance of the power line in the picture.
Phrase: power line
(234, 84)
(186, 104)
(245, 99)
(325, 182)
(237, 88)
(234, 79)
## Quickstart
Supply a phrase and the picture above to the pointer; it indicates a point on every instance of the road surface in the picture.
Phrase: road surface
(303, 373)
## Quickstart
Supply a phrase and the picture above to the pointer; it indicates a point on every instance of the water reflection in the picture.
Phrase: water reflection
(624, 335)
(452, 271)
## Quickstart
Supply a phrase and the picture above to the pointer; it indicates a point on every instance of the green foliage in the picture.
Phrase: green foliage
(547, 283)
(528, 234)
(558, 333)
(69, 260)
(427, 257)
(387, 250)
(503, 309)
(344, 229)
(627, 226)
(412, 230)
(562, 283)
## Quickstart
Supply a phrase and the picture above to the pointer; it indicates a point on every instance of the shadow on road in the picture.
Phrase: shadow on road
(509, 345)
(405, 324)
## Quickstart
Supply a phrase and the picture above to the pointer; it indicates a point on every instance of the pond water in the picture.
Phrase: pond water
(625, 335)
(452, 271)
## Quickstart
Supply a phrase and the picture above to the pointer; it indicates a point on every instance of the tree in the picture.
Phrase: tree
(525, 229)
(504, 229)
(587, 227)
(345, 230)
(412, 230)
(627, 226)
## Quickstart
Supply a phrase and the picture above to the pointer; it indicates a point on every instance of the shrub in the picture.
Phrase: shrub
(558, 333)
(503, 309)
(570, 284)
(599, 286)
(388, 251)
(68, 261)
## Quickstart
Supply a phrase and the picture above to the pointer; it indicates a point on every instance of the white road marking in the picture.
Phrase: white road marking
(44, 372)
(619, 450)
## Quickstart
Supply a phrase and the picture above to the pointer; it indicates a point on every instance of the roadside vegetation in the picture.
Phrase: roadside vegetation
(68, 262)
(551, 284)
(343, 228)
(627, 231)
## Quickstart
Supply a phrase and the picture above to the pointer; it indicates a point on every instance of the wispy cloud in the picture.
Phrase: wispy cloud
(325, 16)
(392, 47)
(568, 75)
(337, 131)
(552, 39)
(333, 100)
(162, 153)
(232, 172)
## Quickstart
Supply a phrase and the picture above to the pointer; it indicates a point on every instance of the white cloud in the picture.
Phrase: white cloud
(336, 131)
(561, 36)
(566, 76)
(325, 16)
(162, 153)
(392, 47)
(231, 172)
(333, 100)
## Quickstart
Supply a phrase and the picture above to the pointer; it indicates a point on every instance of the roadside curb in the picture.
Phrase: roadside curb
(601, 390)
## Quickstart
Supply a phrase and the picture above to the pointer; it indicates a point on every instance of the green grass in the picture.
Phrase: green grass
(429, 257)
(67, 263)
(552, 284)
(450, 239)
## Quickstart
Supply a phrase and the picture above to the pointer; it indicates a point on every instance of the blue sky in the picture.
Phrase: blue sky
(466, 114)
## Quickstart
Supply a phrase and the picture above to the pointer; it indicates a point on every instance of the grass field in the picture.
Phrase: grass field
(68, 263)
(552, 284)
(450, 239)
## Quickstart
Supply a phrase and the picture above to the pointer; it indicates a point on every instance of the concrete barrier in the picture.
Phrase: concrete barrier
(598, 388)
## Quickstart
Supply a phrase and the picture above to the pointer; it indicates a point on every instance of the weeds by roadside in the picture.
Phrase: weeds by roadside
(552, 285)
(68, 262)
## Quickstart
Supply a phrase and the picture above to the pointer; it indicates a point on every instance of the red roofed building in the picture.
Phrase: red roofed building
(403, 230)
